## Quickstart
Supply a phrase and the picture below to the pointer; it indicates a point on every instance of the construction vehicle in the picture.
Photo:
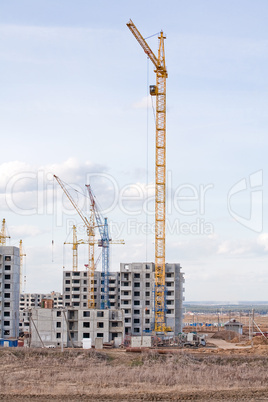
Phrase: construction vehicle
(159, 91)
(192, 340)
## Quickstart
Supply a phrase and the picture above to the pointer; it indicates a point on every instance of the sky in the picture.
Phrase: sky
(74, 102)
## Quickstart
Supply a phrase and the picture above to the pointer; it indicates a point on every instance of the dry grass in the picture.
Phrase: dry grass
(76, 372)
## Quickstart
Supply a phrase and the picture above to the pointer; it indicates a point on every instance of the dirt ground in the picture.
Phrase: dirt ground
(206, 374)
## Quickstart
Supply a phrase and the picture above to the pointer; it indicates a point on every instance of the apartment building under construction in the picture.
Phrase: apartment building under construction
(132, 290)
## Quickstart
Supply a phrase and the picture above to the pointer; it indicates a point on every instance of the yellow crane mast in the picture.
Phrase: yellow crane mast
(21, 265)
(91, 242)
(158, 90)
(3, 235)
(75, 243)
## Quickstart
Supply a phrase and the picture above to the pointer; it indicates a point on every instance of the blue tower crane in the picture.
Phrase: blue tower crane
(104, 242)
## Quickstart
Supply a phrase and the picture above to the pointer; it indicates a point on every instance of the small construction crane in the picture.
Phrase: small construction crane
(89, 224)
(3, 235)
(158, 90)
(105, 241)
(21, 266)
(75, 243)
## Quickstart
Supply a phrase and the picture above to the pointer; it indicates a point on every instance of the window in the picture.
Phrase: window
(136, 302)
(7, 295)
(67, 281)
(85, 289)
(76, 273)
(100, 325)
(7, 276)
(147, 294)
(137, 294)
(58, 325)
(6, 314)
(76, 296)
(169, 283)
(125, 293)
(86, 324)
(85, 273)
(136, 284)
(7, 286)
(100, 314)
(76, 304)
(147, 302)
(99, 335)
(67, 274)
(147, 276)
(6, 304)
(58, 335)
(85, 282)
(84, 304)
(169, 302)
(125, 301)
(147, 311)
(67, 289)
(76, 289)
(76, 281)
(126, 311)
(137, 276)
(127, 319)
(86, 335)
(136, 320)
(147, 284)
(169, 275)
(136, 330)
(7, 267)
(58, 313)
(7, 258)
(84, 297)
(86, 313)
(67, 297)
(137, 312)
(6, 322)
(147, 321)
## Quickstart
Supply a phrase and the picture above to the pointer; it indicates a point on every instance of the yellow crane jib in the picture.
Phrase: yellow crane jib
(158, 90)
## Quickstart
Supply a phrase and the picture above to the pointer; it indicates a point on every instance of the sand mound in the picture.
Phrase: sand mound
(225, 335)
(257, 340)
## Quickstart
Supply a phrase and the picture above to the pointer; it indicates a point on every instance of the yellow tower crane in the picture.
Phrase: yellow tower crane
(91, 242)
(3, 235)
(158, 90)
(21, 266)
(75, 243)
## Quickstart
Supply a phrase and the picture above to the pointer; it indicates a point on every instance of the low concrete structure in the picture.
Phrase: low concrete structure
(72, 327)
(234, 325)
(141, 341)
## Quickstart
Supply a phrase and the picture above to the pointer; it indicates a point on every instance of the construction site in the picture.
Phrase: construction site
(123, 334)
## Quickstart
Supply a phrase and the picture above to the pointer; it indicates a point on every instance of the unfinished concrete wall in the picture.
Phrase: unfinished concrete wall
(9, 291)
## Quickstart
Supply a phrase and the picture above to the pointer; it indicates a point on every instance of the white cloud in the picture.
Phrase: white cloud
(22, 231)
(143, 103)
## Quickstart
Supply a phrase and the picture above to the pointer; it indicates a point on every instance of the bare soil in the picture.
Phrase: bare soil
(114, 375)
